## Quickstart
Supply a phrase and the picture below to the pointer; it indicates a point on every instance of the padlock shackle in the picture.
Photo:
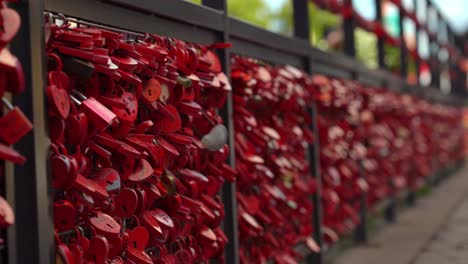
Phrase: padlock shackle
(57, 59)
(76, 101)
(66, 22)
(7, 103)
(50, 16)
(205, 115)
(80, 95)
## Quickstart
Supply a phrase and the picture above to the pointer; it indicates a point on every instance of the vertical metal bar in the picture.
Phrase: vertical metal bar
(302, 31)
(458, 86)
(460, 74)
(434, 67)
(216, 4)
(314, 160)
(301, 19)
(230, 223)
(434, 160)
(380, 41)
(390, 210)
(411, 197)
(448, 66)
(416, 36)
(403, 51)
(390, 214)
(441, 39)
(437, 65)
(348, 28)
(453, 81)
(34, 230)
(360, 234)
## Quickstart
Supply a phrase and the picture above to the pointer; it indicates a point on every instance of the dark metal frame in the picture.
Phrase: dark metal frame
(28, 187)
(302, 31)
(380, 41)
(33, 233)
(403, 48)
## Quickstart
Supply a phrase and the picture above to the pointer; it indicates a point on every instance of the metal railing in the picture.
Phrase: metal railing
(31, 240)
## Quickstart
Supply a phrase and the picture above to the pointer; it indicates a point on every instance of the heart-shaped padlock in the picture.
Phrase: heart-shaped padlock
(98, 250)
(125, 203)
(64, 215)
(7, 217)
(11, 22)
(105, 225)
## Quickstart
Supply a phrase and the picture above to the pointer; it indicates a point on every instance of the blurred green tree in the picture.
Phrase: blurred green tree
(256, 12)
(366, 47)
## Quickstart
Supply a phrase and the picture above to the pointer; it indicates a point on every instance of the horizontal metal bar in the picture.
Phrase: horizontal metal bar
(92, 24)
(370, 79)
(131, 19)
(182, 11)
(335, 59)
(331, 71)
(435, 95)
(374, 77)
(241, 30)
(253, 50)
(394, 82)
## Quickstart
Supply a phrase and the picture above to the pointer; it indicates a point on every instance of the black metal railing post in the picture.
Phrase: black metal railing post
(380, 40)
(390, 207)
(403, 50)
(451, 69)
(360, 234)
(230, 223)
(348, 31)
(433, 60)
(33, 231)
(302, 31)
(416, 48)
(314, 160)
(438, 68)
(389, 211)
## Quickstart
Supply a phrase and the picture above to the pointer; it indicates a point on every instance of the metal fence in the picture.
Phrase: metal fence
(28, 187)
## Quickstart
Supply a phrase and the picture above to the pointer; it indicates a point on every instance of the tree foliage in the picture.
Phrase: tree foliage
(256, 12)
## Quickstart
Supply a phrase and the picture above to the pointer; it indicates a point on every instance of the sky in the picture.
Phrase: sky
(454, 10)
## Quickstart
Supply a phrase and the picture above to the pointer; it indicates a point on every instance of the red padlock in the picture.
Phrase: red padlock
(150, 97)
